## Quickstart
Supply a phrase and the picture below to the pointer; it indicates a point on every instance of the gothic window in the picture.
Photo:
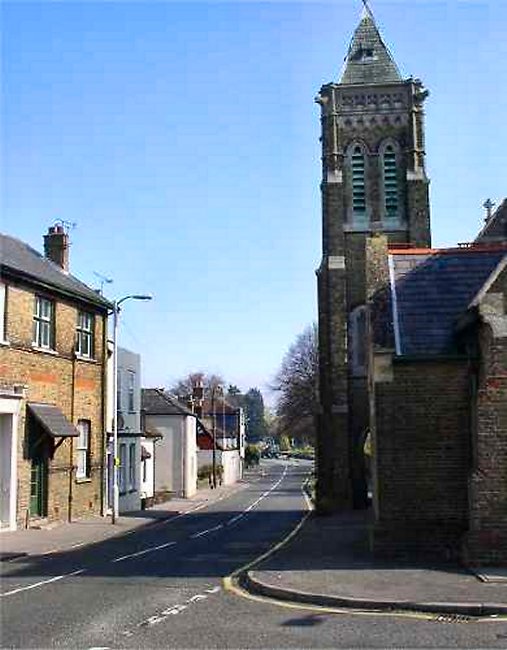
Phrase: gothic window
(358, 183)
(390, 182)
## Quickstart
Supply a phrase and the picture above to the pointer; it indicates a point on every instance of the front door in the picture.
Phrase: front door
(38, 487)
(5, 469)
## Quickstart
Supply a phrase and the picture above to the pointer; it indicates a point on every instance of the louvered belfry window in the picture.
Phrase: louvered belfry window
(390, 182)
(358, 184)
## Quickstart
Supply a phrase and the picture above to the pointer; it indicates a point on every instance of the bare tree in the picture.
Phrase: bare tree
(296, 383)
(183, 387)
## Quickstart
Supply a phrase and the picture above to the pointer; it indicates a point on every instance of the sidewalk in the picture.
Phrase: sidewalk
(65, 536)
(328, 563)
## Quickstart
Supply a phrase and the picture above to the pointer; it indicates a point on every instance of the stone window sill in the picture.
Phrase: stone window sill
(80, 357)
(83, 479)
(37, 348)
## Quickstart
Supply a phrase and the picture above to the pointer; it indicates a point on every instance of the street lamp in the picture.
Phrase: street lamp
(116, 460)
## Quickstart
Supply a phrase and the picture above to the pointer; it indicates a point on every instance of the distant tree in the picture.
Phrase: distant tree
(233, 390)
(296, 383)
(183, 387)
(254, 415)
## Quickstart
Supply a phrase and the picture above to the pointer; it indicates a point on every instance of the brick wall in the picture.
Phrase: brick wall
(421, 442)
(75, 386)
(486, 542)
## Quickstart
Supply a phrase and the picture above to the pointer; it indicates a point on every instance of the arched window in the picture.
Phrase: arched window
(390, 182)
(358, 184)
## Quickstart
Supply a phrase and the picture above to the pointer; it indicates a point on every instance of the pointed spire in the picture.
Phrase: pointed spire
(368, 60)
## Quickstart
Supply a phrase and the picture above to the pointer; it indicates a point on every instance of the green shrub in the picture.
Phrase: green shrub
(206, 472)
(252, 455)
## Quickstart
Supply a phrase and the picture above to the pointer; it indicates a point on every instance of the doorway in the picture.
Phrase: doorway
(5, 469)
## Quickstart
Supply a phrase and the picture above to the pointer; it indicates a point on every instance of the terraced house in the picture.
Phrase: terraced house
(52, 386)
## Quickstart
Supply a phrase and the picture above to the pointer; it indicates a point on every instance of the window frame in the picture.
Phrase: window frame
(357, 163)
(122, 468)
(85, 332)
(83, 465)
(119, 387)
(132, 474)
(44, 324)
(131, 391)
(3, 312)
(391, 185)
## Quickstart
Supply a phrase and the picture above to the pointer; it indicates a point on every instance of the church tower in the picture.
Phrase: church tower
(373, 181)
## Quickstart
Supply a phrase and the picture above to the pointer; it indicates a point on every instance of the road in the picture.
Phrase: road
(161, 587)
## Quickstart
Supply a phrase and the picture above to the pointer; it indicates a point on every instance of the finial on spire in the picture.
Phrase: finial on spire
(366, 9)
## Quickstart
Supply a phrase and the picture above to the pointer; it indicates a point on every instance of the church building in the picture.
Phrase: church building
(409, 336)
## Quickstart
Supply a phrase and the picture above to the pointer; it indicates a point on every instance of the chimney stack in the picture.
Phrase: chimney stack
(56, 246)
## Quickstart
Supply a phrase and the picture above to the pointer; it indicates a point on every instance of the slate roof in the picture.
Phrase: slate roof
(433, 289)
(156, 401)
(368, 60)
(19, 259)
(53, 421)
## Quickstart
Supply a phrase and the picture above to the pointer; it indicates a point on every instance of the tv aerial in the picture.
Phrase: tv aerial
(103, 280)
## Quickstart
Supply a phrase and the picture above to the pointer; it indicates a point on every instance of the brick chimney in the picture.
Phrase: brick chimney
(56, 246)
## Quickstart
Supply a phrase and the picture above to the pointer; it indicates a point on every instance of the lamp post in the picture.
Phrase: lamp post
(114, 422)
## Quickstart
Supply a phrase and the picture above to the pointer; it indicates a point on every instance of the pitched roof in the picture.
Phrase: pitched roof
(21, 260)
(495, 228)
(368, 60)
(430, 290)
(156, 401)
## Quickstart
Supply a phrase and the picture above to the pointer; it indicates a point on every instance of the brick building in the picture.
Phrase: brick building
(412, 341)
(437, 346)
(52, 385)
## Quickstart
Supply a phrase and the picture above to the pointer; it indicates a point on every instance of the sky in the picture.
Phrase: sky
(180, 141)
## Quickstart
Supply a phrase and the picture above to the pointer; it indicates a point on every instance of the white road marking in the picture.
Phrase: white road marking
(173, 610)
(41, 583)
(143, 552)
(205, 532)
(255, 503)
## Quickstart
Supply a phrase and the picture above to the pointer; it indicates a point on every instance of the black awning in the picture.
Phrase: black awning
(53, 421)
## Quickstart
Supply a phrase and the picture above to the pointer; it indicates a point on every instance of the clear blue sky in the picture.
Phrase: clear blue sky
(182, 139)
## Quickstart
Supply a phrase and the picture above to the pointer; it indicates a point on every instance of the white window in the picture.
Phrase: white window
(118, 390)
(44, 323)
(122, 469)
(84, 334)
(83, 449)
(2, 311)
(132, 466)
(131, 390)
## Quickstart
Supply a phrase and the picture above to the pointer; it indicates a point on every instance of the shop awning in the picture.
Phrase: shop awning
(53, 421)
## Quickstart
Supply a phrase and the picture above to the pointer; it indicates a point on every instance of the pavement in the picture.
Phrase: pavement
(59, 537)
(328, 563)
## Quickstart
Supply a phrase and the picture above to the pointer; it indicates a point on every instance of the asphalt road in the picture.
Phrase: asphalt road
(161, 587)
